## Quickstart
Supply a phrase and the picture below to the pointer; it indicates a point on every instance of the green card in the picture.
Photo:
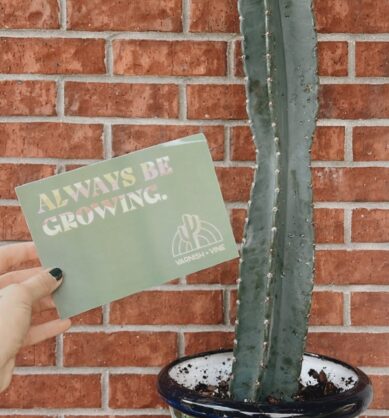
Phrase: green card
(123, 225)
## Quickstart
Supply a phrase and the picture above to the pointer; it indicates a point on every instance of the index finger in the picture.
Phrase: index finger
(12, 256)
(43, 283)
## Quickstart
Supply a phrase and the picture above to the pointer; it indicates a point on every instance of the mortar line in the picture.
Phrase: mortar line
(107, 141)
(96, 371)
(353, 80)
(348, 144)
(207, 328)
(347, 226)
(230, 65)
(180, 344)
(128, 79)
(50, 161)
(157, 121)
(352, 205)
(353, 122)
(63, 14)
(106, 314)
(109, 59)
(243, 205)
(350, 164)
(185, 16)
(183, 106)
(365, 246)
(361, 37)
(60, 104)
(346, 309)
(105, 391)
(121, 121)
(125, 35)
(351, 60)
(376, 413)
(227, 146)
(353, 288)
(350, 330)
(151, 328)
(59, 351)
(111, 77)
(226, 306)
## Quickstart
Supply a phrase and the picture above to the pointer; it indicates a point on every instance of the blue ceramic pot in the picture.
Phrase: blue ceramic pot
(177, 381)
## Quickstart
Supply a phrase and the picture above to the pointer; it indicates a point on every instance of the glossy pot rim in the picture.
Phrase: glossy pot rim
(190, 402)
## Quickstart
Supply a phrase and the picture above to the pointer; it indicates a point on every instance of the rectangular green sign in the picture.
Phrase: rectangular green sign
(123, 225)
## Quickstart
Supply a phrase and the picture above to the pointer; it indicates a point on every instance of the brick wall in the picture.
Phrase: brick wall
(84, 80)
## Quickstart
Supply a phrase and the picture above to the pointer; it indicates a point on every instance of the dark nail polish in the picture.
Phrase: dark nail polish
(56, 273)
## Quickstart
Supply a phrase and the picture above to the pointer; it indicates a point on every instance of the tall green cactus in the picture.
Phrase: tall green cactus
(276, 271)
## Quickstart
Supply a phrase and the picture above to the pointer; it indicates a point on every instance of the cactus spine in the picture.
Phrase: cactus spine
(276, 271)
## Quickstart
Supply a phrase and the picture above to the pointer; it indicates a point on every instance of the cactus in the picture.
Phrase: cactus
(276, 270)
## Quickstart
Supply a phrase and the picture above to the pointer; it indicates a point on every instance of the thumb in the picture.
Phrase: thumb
(43, 284)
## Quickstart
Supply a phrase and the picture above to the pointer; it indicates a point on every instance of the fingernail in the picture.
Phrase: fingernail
(56, 273)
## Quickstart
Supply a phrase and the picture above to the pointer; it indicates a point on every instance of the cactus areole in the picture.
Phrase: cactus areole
(276, 270)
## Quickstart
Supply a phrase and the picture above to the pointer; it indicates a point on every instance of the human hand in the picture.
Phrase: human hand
(22, 293)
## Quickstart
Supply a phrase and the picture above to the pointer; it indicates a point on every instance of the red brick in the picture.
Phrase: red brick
(13, 226)
(224, 273)
(238, 217)
(351, 184)
(358, 349)
(197, 342)
(354, 101)
(381, 392)
(371, 143)
(91, 317)
(371, 59)
(170, 58)
(29, 14)
(327, 308)
(52, 56)
(370, 225)
(370, 308)
(328, 143)
(42, 354)
(215, 16)
(169, 307)
(127, 15)
(28, 98)
(239, 70)
(352, 267)
(119, 99)
(53, 391)
(333, 58)
(51, 140)
(100, 349)
(235, 182)
(329, 226)
(343, 16)
(134, 391)
(242, 144)
(129, 138)
(12, 175)
(214, 101)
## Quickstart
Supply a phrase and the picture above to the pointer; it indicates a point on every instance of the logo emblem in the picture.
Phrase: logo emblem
(193, 235)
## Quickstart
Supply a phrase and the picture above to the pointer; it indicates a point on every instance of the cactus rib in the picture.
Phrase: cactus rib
(276, 268)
